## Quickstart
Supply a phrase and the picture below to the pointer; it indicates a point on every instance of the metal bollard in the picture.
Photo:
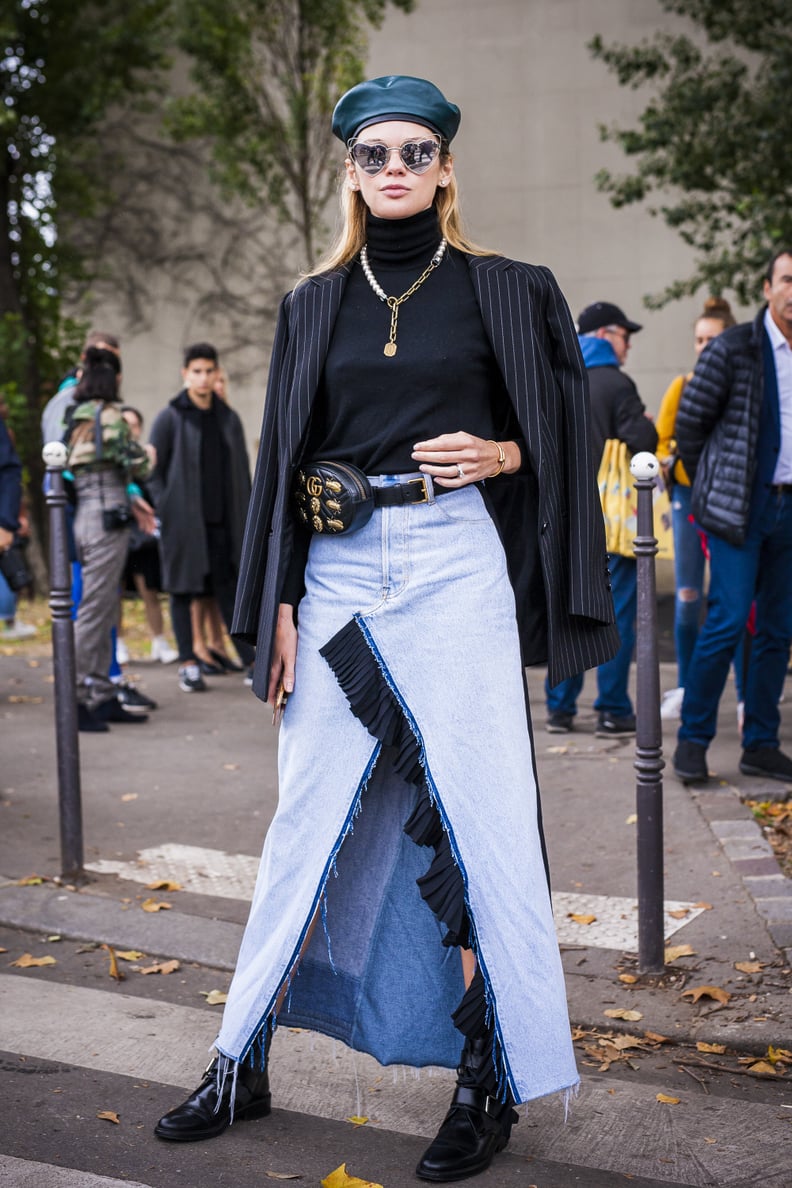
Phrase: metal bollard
(66, 736)
(649, 761)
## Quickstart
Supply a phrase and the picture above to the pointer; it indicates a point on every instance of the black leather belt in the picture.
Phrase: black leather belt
(781, 488)
(415, 490)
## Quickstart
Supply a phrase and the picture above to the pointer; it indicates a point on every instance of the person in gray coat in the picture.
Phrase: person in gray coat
(201, 489)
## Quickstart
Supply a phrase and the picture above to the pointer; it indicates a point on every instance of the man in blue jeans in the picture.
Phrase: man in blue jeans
(617, 411)
(734, 435)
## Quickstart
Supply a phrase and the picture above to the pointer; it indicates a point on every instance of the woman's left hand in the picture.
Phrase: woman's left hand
(456, 459)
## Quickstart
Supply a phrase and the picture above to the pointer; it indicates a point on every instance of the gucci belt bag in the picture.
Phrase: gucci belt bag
(337, 497)
(333, 497)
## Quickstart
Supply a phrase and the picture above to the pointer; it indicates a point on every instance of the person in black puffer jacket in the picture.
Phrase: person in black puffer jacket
(734, 435)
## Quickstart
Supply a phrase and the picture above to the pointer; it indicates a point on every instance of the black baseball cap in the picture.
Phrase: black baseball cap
(603, 313)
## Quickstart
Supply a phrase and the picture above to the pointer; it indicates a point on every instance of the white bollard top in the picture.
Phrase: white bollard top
(644, 465)
(55, 455)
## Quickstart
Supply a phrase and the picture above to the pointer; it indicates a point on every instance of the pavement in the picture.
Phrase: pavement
(186, 799)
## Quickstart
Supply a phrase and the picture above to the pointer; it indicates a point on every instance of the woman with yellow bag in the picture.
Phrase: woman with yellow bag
(618, 416)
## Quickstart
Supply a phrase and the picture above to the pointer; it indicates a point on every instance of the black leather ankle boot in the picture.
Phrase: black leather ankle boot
(475, 1127)
(206, 1113)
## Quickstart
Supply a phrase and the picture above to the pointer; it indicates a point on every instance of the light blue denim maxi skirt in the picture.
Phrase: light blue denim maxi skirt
(408, 689)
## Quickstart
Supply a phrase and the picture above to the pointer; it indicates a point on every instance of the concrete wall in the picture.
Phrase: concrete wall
(532, 98)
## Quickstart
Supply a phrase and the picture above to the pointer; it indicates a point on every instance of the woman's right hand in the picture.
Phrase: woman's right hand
(284, 652)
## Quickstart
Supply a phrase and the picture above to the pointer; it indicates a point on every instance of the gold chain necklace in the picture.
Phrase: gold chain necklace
(393, 303)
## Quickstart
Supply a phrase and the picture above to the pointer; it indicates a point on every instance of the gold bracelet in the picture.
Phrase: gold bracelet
(501, 456)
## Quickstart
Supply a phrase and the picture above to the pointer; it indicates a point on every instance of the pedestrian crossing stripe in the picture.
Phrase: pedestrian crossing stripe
(233, 876)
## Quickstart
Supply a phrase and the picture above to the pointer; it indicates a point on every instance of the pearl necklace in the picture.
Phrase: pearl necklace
(393, 303)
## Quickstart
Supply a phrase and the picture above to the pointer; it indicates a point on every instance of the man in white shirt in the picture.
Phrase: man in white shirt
(734, 435)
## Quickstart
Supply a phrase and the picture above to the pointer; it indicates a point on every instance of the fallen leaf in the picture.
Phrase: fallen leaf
(779, 1055)
(717, 1049)
(710, 1140)
(109, 1116)
(581, 919)
(620, 1013)
(129, 796)
(763, 1068)
(21, 699)
(154, 905)
(163, 885)
(357, 1120)
(230, 767)
(341, 1179)
(129, 954)
(705, 907)
(283, 1175)
(667, 1100)
(115, 972)
(656, 1038)
(27, 961)
(749, 967)
(679, 913)
(162, 967)
(674, 952)
(632, 819)
(715, 992)
(630, 979)
(53, 939)
(30, 881)
(216, 997)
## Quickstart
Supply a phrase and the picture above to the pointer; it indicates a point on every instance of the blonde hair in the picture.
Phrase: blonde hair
(352, 234)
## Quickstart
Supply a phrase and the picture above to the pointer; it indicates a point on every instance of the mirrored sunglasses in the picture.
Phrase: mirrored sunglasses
(416, 155)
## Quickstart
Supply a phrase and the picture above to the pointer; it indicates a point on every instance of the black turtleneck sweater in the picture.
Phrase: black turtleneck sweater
(371, 409)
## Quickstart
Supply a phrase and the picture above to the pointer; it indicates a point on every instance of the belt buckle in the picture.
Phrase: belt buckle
(422, 480)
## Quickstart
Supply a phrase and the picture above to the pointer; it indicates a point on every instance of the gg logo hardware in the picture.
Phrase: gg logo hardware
(314, 485)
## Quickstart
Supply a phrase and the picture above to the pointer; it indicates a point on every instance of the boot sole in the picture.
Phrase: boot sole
(257, 1109)
(749, 769)
(691, 777)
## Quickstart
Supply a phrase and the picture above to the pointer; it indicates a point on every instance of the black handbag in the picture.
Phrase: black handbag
(332, 497)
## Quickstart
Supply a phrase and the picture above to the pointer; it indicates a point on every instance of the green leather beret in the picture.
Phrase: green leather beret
(395, 97)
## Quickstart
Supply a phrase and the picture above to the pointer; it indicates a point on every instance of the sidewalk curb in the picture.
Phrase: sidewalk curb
(86, 917)
(751, 855)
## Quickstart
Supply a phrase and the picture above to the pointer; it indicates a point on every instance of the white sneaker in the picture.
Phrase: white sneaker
(16, 629)
(162, 651)
(122, 652)
(671, 705)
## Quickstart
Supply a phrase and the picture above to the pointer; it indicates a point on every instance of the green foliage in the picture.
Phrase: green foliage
(60, 346)
(713, 139)
(64, 65)
(267, 74)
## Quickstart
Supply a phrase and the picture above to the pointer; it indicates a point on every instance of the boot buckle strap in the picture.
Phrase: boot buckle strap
(469, 1095)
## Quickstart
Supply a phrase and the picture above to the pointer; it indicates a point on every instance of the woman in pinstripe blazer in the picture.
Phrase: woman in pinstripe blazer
(452, 378)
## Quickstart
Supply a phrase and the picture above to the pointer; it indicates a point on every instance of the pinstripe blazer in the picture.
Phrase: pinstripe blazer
(549, 516)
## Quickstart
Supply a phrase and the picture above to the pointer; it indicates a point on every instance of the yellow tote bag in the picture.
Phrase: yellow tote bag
(619, 504)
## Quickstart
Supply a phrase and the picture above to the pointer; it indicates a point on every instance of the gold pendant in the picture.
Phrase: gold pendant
(390, 349)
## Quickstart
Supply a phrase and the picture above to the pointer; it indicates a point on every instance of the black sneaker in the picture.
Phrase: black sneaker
(609, 726)
(88, 723)
(690, 762)
(769, 762)
(190, 679)
(133, 701)
(559, 723)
